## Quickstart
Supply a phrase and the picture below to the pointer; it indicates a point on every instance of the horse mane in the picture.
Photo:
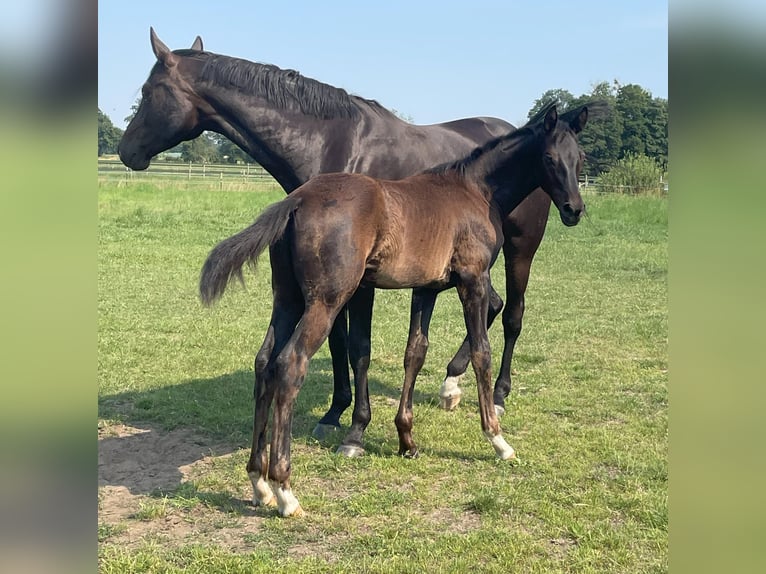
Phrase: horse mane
(596, 109)
(284, 89)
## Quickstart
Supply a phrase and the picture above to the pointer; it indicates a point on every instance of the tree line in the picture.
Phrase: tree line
(634, 134)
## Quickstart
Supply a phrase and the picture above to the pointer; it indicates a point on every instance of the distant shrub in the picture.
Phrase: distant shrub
(635, 174)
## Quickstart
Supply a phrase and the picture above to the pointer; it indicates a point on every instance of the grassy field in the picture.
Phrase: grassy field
(587, 414)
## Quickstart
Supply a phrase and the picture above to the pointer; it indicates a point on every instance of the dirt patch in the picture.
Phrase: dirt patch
(136, 465)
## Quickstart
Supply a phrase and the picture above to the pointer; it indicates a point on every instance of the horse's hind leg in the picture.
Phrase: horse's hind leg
(474, 297)
(450, 392)
(341, 391)
(286, 311)
(290, 370)
(283, 321)
(360, 327)
(421, 309)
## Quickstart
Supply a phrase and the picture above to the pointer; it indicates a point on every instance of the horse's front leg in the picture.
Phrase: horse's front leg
(360, 329)
(450, 392)
(421, 309)
(473, 292)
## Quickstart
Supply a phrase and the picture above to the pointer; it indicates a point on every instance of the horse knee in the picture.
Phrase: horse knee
(416, 349)
(481, 357)
(512, 318)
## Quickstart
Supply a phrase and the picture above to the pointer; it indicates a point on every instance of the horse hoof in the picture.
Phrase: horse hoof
(350, 451)
(450, 393)
(499, 410)
(410, 453)
(287, 504)
(451, 402)
(323, 431)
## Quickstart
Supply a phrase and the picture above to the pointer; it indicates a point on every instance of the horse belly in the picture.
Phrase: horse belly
(407, 274)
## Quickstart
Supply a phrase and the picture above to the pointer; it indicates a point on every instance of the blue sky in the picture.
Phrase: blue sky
(431, 60)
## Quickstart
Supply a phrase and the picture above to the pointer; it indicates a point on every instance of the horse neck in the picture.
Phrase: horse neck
(289, 145)
(507, 173)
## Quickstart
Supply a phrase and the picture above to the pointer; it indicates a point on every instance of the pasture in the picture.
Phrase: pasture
(587, 413)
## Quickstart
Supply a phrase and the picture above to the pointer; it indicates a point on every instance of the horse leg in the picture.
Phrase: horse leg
(516, 279)
(473, 292)
(290, 370)
(450, 393)
(341, 392)
(283, 321)
(523, 231)
(421, 309)
(360, 327)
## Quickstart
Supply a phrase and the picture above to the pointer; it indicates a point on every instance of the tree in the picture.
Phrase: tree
(657, 145)
(109, 135)
(563, 98)
(632, 103)
(636, 126)
(202, 149)
(133, 110)
(229, 152)
(601, 140)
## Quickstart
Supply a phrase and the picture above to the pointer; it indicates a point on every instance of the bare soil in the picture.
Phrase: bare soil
(135, 464)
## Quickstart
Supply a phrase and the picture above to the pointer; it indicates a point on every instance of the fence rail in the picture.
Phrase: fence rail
(210, 176)
(237, 177)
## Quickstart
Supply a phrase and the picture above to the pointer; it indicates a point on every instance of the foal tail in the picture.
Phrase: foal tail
(230, 255)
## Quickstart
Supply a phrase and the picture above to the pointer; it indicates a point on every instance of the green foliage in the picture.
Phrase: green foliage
(202, 149)
(635, 173)
(108, 135)
(563, 97)
(637, 125)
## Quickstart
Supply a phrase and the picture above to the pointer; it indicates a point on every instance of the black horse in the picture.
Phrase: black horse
(296, 128)
(431, 231)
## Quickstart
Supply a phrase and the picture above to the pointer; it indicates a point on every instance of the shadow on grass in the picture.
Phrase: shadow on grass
(152, 435)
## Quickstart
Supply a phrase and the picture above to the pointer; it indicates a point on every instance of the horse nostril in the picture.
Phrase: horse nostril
(570, 210)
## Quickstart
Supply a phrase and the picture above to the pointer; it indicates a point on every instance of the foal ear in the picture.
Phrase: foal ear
(578, 123)
(162, 52)
(197, 45)
(551, 117)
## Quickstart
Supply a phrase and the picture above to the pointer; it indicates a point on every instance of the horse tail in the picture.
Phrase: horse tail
(230, 255)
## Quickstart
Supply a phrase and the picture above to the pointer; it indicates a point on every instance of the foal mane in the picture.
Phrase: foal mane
(284, 89)
(596, 109)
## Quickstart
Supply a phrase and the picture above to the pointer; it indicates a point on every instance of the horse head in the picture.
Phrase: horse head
(562, 161)
(168, 113)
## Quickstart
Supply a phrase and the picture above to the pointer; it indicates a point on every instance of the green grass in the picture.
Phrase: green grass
(587, 414)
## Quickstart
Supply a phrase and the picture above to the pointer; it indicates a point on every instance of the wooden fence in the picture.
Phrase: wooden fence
(204, 176)
(238, 177)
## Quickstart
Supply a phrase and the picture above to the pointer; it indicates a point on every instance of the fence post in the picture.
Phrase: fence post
(190, 164)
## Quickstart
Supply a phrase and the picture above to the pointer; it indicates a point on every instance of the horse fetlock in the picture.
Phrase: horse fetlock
(502, 448)
(350, 450)
(450, 393)
(287, 504)
(324, 431)
(262, 493)
(499, 410)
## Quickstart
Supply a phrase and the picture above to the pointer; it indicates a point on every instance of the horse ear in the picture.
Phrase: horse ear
(162, 52)
(551, 117)
(578, 123)
(197, 45)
